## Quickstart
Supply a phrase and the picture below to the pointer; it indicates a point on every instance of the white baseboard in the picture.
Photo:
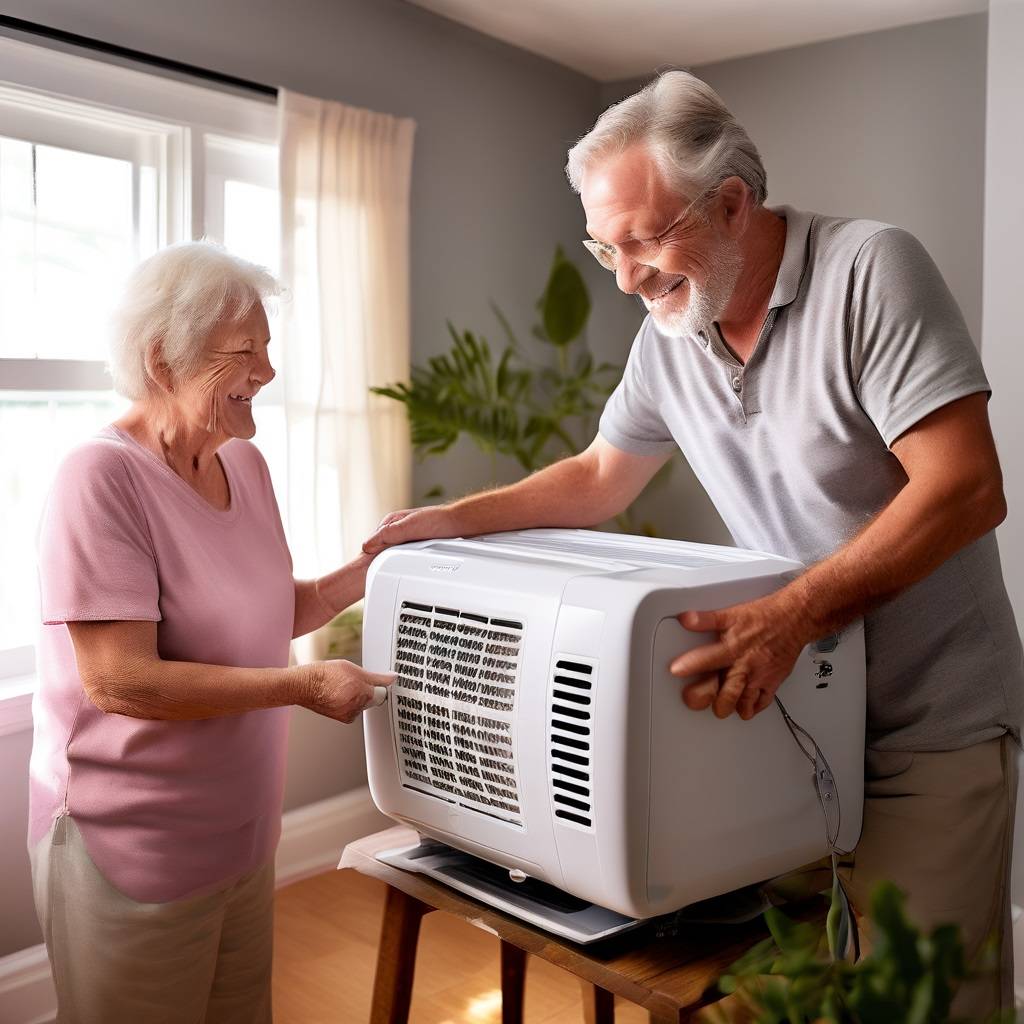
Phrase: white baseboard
(26, 988)
(312, 839)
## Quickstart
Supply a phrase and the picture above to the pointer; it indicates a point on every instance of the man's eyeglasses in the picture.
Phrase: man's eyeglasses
(639, 250)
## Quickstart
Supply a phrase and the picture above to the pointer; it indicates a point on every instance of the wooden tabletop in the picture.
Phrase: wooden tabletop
(662, 974)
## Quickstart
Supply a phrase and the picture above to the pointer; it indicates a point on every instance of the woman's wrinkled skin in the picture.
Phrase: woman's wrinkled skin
(186, 421)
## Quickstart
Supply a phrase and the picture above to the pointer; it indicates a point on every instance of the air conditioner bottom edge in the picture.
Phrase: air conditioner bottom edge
(578, 921)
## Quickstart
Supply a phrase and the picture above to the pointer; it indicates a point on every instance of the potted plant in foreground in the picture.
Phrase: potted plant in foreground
(907, 978)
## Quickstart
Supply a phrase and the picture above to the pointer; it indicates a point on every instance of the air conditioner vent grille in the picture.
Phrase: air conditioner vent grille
(573, 682)
(454, 704)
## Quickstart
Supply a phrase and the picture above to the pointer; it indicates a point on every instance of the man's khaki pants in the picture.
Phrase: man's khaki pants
(200, 960)
(939, 825)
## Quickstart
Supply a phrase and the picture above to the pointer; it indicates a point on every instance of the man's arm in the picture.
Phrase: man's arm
(582, 490)
(953, 496)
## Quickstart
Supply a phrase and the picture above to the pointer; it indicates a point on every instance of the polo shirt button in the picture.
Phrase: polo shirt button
(737, 385)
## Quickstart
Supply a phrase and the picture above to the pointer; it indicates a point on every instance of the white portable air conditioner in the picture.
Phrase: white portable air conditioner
(534, 725)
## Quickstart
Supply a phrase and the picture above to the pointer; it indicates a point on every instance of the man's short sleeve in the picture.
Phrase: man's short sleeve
(96, 558)
(910, 350)
(631, 420)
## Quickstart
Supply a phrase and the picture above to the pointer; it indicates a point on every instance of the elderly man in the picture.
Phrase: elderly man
(819, 378)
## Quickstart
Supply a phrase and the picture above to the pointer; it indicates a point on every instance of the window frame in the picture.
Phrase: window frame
(52, 97)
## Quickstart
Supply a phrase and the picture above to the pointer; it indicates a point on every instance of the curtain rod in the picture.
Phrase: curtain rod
(112, 49)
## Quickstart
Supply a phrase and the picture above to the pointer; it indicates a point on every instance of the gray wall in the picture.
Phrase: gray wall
(1004, 360)
(888, 125)
(489, 203)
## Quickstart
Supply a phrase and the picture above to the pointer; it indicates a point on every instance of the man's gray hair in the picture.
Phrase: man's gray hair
(693, 137)
(174, 300)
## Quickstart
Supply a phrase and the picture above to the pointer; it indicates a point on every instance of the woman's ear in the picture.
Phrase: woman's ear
(157, 370)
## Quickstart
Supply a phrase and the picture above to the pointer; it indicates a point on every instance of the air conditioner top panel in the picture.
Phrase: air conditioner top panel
(589, 550)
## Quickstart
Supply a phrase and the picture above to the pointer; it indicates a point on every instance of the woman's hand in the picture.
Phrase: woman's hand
(412, 524)
(341, 690)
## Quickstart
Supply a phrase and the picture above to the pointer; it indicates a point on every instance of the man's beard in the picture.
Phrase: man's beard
(706, 304)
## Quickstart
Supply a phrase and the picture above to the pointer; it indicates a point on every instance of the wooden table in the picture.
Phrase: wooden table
(671, 976)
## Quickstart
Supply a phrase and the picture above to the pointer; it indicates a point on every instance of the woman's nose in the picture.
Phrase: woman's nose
(264, 372)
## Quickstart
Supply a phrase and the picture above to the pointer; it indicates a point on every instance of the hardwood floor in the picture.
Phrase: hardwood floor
(326, 934)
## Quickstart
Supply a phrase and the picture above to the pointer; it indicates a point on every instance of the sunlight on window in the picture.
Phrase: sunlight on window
(70, 231)
(251, 227)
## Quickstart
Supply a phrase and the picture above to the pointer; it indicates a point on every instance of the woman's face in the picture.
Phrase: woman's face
(235, 366)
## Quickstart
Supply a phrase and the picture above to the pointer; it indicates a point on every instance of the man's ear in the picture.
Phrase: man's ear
(158, 372)
(736, 203)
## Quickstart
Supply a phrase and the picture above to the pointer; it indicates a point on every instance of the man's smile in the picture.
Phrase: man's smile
(653, 299)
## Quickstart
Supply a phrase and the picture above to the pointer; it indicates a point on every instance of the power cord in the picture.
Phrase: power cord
(828, 797)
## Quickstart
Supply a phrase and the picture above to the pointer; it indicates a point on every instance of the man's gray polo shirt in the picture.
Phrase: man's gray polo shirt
(863, 340)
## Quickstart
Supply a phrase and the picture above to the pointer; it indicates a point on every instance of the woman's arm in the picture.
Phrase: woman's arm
(318, 601)
(123, 674)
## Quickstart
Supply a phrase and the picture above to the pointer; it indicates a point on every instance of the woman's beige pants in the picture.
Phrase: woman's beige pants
(201, 960)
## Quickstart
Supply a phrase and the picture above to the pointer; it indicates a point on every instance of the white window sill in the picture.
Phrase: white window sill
(16, 704)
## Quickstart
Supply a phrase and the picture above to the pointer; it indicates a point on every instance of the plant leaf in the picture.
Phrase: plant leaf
(566, 304)
(790, 936)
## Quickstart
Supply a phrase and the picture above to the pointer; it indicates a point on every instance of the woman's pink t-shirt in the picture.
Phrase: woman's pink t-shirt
(167, 809)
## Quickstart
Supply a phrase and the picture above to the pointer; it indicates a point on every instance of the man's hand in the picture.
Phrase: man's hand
(757, 647)
(412, 524)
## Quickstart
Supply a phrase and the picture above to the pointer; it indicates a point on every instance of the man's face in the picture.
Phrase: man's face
(688, 281)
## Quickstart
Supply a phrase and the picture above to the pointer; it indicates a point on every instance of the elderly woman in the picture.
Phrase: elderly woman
(160, 720)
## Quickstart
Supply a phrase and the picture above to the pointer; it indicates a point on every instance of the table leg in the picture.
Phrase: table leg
(598, 1004)
(396, 957)
(513, 978)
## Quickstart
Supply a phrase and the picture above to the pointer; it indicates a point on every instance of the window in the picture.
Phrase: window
(88, 187)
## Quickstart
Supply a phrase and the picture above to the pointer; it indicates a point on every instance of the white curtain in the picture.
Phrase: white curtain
(344, 181)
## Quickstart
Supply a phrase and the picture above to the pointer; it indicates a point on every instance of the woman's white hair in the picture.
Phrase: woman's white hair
(172, 302)
(693, 137)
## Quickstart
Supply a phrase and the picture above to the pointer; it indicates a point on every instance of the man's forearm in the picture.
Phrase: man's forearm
(908, 540)
(561, 495)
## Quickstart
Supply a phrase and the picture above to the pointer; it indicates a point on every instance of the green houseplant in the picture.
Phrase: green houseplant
(907, 978)
(511, 403)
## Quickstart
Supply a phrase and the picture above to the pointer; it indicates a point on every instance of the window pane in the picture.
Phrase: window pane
(46, 427)
(251, 227)
(72, 225)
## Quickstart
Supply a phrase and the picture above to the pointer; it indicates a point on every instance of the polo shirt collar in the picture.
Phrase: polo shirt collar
(794, 255)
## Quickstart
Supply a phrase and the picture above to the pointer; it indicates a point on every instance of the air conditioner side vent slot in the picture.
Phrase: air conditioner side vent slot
(570, 779)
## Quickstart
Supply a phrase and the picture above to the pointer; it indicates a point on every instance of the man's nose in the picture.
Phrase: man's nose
(629, 274)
